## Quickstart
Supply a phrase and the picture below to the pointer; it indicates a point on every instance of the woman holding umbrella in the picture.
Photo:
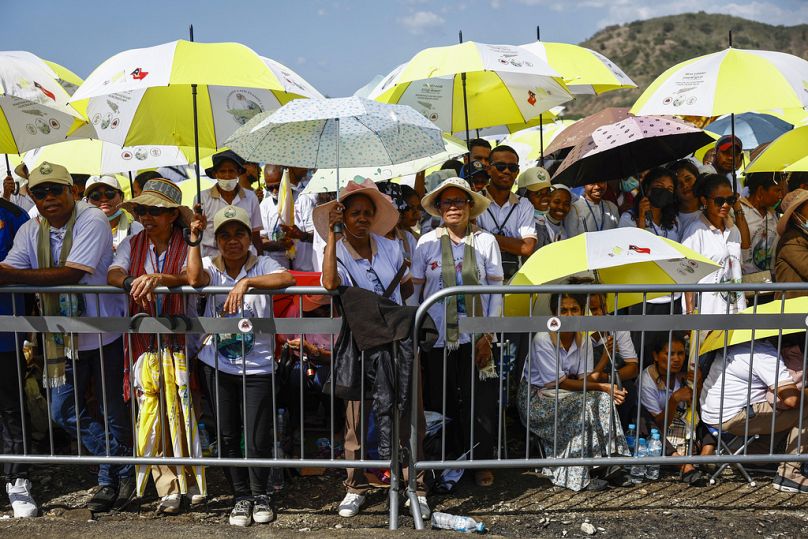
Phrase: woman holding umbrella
(655, 210)
(238, 367)
(151, 258)
(459, 253)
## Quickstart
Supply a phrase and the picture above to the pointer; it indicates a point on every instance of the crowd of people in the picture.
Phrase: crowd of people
(473, 222)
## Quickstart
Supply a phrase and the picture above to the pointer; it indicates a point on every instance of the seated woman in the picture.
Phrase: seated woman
(558, 369)
(666, 396)
(237, 368)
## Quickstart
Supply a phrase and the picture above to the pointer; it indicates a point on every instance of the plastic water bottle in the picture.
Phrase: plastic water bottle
(458, 523)
(631, 435)
(638, 469)
(204, 439)
(654, 450)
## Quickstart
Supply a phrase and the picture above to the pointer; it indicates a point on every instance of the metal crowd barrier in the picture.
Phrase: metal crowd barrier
(503, 327)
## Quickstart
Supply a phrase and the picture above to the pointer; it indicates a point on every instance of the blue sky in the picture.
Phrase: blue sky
(336, 45)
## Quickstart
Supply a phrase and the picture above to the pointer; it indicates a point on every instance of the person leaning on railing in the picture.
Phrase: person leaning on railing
(791, 263)
(566, 379)
(238, 366)
(459, 253)
(155, 256)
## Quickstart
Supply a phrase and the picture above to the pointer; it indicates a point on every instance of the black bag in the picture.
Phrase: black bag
(510, 265)
(348, 373)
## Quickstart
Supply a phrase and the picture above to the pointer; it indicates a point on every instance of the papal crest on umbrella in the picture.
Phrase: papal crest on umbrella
(531, 97)
(139, 74)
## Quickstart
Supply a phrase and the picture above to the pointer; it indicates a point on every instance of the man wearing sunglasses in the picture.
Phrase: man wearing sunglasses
(104, 192)
(72, 244)
(509, 217)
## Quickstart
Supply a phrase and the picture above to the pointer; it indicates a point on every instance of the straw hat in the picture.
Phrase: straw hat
(533, 179)
(480, 202)
(386, 213)
(791, 203)
(162, 194)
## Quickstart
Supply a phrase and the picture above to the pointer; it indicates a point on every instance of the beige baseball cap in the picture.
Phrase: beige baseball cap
(49, 173)
(534, 179)
(228, 214)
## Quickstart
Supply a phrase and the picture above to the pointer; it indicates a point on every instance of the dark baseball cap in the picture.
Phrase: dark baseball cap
(474, 171)
(726, 142)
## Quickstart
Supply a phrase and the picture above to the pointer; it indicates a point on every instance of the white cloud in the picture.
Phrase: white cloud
(301, 60)
(421, 21)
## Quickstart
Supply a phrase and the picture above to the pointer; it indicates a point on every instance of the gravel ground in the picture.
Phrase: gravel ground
(521, 504)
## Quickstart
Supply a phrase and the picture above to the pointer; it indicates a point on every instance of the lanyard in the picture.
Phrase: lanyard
(602, 214)
(159, 298)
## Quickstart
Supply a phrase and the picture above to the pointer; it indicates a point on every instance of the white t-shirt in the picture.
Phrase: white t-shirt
(724, 248)
(318, 252)
(121, 233)
(374, 275)
(763, 232)
(653, 397)
(427, 269)
(259, 347)
(23, 201)
(271, 222)
(587, 216)
(767, 368)
(686, 219)
(520, 224)
(304, 208)
(540, 367)
(624, 346)
(91, 253)
(212, 202)
(627, 220)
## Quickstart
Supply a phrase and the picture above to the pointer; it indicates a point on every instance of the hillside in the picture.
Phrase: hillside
(645, 49)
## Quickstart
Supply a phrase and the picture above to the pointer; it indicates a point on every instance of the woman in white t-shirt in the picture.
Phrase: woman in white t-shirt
(716, 236)
(689, 207)
(459, 253)
(237, 367)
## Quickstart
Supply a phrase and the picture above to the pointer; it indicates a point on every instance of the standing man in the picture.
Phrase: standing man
(227, 166)
(273, 240)
(591, 212)
(16, 193)
(479, 150)
(303, 230)
(764, 194)
(72, 244)
(509, 217)
(250, 176)
(722, 159)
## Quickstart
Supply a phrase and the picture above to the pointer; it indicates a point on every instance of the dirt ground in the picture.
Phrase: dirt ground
(520, 504)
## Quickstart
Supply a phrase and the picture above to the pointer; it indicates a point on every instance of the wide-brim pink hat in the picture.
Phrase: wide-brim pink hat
(386, 213)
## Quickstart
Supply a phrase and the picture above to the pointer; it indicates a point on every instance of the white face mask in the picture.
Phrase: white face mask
(227, 185)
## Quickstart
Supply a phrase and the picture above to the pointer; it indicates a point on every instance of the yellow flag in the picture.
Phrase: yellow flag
(286, 207)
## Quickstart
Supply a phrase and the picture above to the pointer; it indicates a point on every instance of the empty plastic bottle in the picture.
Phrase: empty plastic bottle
(458, 523)
(654, 450)
(638, 469)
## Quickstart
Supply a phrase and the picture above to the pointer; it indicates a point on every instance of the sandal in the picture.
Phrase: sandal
(484, 478)
(694, 478)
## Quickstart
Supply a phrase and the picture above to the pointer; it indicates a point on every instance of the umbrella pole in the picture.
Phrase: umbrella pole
(8, 165)
(732, 127)
(131, 185)
(541, 136)
(465, 98)
(337, 226)
(198, 205)
(538, 33)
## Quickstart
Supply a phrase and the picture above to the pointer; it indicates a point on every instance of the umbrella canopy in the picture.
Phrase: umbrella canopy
(324, 180)
(95, 157)
(503, 85)
(622, 149)
(788, 153)
(332, 133)
(69, 80)
(752, 128)
(583, 129)
(34, 108)
(715, 340)
(617, 256)
(584, 71)
(527, 142)
(144, 96)
(725, 82)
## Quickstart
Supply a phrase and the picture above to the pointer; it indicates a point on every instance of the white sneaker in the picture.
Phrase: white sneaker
(422, 503)
(349, 507)
(19, 494)
(241, 514)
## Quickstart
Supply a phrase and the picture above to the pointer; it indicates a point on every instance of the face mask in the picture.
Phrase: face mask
(776, 207)
(227, 185)
(114, 215)
(629, 184)
(538, 213)
(660, 198)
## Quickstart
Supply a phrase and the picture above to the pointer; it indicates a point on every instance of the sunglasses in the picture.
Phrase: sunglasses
(109, 194)
(512, 167)
(720, 201)
(40, 193)
(154, 211)
(453, 202)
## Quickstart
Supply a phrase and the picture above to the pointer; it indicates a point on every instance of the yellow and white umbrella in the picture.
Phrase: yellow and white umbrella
(502, 84)
(787, 153)
(531, 143)
(728, 82)
(583, 70)
(34, 108)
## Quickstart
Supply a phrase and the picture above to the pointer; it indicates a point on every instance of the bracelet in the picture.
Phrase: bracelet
(127, 283)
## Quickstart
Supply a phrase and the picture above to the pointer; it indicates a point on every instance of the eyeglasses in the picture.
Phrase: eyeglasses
(109, 194)
(512, 167)
(720, 201)
(154, 211)
(40, 193)
(453, 202)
